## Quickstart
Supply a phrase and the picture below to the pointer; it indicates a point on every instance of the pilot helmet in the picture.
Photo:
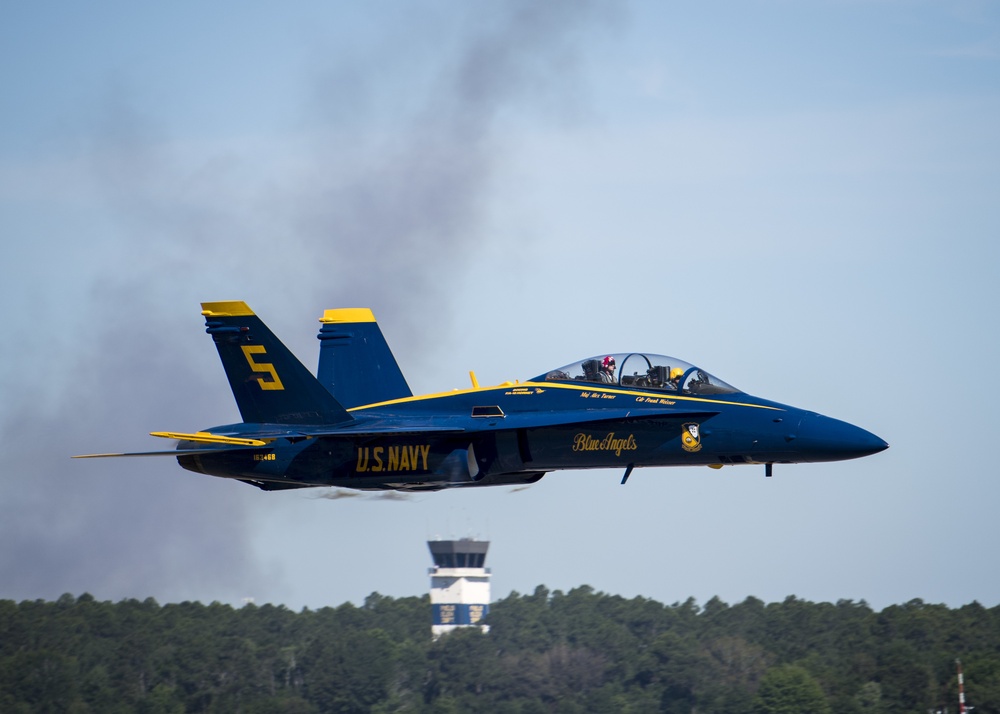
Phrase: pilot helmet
(608, 363)
(676, 373)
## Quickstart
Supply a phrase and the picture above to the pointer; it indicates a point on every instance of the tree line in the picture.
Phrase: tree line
(546, 652)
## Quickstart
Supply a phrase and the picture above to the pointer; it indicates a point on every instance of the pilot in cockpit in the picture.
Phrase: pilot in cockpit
(607, 372)
(662, 377)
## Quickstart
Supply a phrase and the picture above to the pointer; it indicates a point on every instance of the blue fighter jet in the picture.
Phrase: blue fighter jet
(357, 424)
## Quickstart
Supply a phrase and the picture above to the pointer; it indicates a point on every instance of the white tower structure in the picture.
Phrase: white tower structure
(460, 584)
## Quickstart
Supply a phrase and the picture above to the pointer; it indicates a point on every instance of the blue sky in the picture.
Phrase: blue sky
(800, 197)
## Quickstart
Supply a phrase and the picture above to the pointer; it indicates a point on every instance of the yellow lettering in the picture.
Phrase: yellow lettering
(272, 384)
(586, 442)
(397, 457)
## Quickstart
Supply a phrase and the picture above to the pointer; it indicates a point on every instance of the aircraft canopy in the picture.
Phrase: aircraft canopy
(641, 371)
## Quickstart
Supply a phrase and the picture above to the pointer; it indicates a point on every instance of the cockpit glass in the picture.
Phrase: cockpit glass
(641, 371)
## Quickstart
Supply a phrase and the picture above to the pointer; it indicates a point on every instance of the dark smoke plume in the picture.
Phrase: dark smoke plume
(377, 218)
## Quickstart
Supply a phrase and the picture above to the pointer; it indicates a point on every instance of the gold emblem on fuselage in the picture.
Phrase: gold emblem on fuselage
(691, 437)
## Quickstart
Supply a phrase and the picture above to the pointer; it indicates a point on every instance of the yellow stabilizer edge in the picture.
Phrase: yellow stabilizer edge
(348, 314)
(204, 437)
(226, 308)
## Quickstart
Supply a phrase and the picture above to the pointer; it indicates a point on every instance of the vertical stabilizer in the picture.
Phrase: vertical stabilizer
(355, 362)
(270, 385)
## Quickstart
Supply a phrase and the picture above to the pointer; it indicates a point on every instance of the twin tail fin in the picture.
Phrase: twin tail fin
(269, 383)
(355, 362)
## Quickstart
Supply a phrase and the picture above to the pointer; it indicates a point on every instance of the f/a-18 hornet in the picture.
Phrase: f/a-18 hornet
(357, 424)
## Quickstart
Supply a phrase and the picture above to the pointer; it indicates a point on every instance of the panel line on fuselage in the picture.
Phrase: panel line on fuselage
(585, 387)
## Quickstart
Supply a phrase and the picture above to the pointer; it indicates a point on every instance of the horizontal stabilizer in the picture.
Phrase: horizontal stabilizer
(172, 452)
(204, 437)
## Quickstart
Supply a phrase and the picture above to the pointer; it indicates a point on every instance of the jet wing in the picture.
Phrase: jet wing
(201, 437)
(172, 452)
(204, 437)
(265, 437)
(496, 421)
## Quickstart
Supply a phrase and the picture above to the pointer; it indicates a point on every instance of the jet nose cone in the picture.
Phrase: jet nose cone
(833, 440)
(867, 443)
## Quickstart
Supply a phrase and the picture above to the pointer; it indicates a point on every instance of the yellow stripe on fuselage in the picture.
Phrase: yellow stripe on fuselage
(585, 387)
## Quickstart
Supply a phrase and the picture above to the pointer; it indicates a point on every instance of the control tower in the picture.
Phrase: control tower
(460, 585)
